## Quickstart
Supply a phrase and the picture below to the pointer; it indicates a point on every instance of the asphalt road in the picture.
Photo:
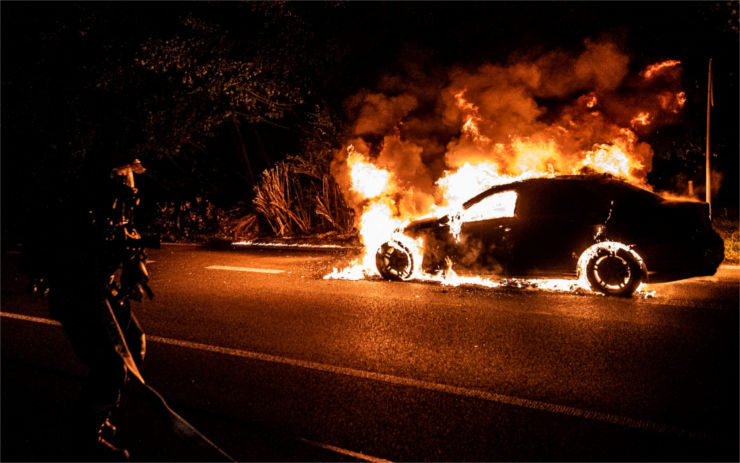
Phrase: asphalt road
(272, 362)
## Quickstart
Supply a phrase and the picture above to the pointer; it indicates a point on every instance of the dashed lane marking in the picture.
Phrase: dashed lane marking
(538, 405)
(340, 450)
(244, 269)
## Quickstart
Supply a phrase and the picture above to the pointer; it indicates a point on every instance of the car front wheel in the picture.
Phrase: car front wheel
(394, 261)
(612, 269)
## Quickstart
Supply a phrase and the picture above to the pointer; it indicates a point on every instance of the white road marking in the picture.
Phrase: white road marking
(340, 450)
(332, 448)
(291, 245)
(29, 318)
(592, 415)
(244, 269)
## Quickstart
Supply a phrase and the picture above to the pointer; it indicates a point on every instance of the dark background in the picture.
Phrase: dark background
(76, 98)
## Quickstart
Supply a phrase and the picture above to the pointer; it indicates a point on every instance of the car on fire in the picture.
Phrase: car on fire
(613, 233)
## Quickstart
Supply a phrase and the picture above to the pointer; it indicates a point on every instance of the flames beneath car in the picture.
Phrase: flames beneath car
(420, 147)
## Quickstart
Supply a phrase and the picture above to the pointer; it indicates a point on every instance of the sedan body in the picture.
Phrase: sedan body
(569, 225)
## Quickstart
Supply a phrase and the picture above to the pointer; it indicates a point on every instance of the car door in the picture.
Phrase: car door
(488, 232)
(558, 220)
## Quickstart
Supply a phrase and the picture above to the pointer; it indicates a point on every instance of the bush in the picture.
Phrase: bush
(186, 220)
(727, 225)
(292, 199)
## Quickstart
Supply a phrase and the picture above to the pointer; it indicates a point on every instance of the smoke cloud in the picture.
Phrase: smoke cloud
(560, 112)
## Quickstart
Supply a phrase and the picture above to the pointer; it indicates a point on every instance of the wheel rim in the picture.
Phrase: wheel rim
(612, 272)
(396, 261)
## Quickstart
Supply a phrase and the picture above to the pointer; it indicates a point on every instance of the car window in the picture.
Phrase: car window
(561, 198)
(495, 206)
(633, 195)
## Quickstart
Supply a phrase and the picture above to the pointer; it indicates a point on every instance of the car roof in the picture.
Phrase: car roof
(602, 181)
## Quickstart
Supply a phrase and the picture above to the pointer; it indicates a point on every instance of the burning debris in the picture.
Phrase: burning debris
(421, 147)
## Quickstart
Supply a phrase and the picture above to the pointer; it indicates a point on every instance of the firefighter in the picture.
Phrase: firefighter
(87, 255)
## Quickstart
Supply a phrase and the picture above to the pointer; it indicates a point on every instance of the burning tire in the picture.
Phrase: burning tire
(612, 268)
(394, 261)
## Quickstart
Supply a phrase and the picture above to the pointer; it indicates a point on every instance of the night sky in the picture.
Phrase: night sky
(73, 95)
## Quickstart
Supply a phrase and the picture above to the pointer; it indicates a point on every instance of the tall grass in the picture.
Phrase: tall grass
(297, 198)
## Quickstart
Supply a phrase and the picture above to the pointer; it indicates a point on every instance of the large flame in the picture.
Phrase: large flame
(367, 180)
(417, 152)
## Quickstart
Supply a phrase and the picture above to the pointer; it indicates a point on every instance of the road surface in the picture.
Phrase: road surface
(272, 362)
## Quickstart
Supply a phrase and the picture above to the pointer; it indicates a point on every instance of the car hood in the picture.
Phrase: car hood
(423, 224)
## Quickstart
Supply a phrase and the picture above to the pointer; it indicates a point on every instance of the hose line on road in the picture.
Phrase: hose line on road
(179, 424)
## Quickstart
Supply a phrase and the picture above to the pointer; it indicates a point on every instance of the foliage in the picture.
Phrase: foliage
(194, 220)
(219, 79)
(244, 227)
(91, 85)
(298, 197)
(294, 198)
(212, 76)
(727, 225)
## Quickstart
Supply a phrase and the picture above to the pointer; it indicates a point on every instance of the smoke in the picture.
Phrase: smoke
(559, 111)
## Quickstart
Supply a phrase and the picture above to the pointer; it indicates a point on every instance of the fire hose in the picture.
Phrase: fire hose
(179, 424)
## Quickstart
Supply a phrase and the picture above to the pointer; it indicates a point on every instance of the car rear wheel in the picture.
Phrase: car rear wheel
(616, 272)
(394, 261)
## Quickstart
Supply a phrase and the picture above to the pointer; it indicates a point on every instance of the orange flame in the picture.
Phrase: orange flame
(681, 99)
(591, 100)
(610, 159)
(470, 127)
(672, 102)
(642, 119)
(655, 69)
(367, 180)
(488, 129)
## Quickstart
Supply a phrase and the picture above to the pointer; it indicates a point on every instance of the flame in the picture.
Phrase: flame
(467, 181)
(642, 119)
(488, 128)
(610, 159)
(380, 220)
(681, 99)
(655, 69)
(367, 180)
(591, 100)
(472, 119)
(672, 102)
(377, 225)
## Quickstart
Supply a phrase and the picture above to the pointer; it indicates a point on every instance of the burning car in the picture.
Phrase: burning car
(610, 232)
